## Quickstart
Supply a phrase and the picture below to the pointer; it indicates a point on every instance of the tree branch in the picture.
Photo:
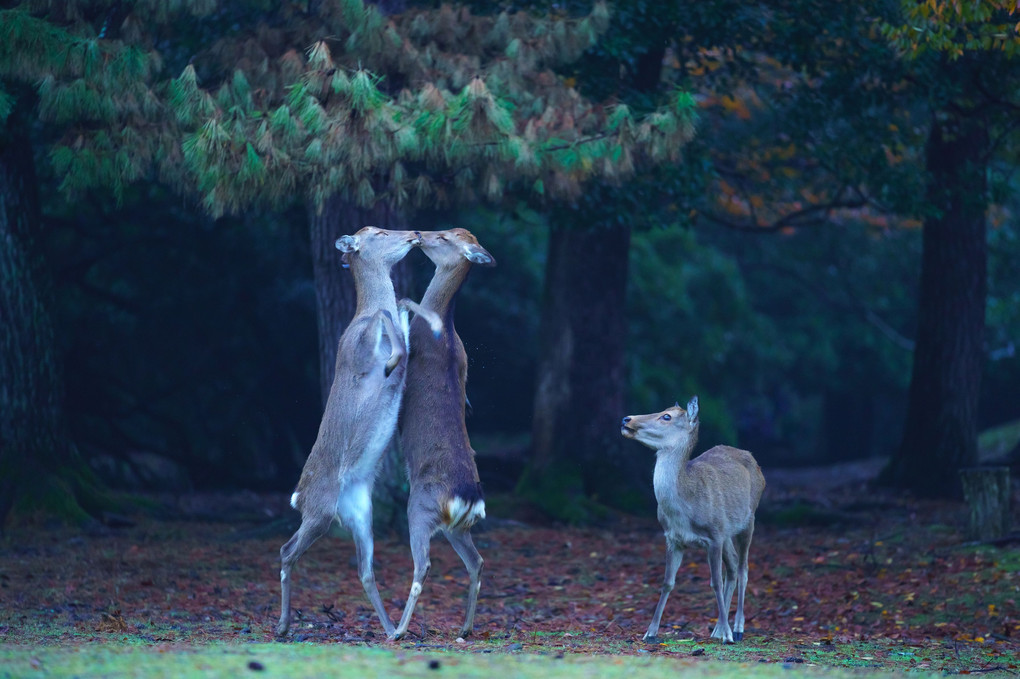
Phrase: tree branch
(812, 215)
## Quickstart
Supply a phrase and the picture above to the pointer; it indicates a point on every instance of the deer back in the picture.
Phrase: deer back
(716, 492)
(434, 437)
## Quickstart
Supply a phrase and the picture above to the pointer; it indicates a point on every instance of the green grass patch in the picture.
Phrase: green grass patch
(307, 660)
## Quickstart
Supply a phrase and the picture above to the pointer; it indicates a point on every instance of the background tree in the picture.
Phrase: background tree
(902, 138)
(273, 122)
(38, 460)
(966, 54)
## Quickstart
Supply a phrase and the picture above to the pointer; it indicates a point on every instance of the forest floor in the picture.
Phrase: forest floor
(841, 576)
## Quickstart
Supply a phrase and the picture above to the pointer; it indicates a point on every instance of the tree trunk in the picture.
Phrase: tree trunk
(986, 490)
(577, 447)
(335, 303)
(38, 464)
(940, 432)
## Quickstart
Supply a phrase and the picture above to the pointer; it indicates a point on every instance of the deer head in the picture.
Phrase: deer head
(377, 245)
(666, 429)
(448, 248)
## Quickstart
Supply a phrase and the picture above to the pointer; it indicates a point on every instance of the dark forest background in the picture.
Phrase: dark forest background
(829, 258)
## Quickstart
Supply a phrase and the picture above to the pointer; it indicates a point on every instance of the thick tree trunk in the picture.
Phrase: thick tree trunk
(577, 448)
(335, 302)
(940, 432)
(37, 459)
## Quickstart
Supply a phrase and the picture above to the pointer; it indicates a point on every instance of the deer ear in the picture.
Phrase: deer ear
(348, 244)
(692, 409)
(476, 254)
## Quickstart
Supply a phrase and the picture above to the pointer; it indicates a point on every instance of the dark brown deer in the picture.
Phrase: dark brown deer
(361, 411)
(445, 491)
(707, 501)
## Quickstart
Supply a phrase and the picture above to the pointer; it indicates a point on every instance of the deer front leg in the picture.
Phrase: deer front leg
(465, 548)
(420, 528)
(431, 317)
(397, 340)
(715, 562)
(674, 558)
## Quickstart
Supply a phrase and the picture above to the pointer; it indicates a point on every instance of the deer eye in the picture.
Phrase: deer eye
(666, 417)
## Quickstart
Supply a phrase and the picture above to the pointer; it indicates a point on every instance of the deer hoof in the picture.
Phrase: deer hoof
(738, 636)
(650, 639)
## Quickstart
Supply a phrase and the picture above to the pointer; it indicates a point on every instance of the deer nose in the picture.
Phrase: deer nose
(417, 235)
(625, 421)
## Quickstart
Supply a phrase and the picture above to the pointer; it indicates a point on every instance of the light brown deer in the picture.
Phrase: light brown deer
(708, 501)
(361, 411)
(445, 491)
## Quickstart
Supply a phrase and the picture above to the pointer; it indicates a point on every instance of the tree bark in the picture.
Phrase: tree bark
(335, 303)
(986, 490)
(577, 448)
(940, 432)
(38, 463)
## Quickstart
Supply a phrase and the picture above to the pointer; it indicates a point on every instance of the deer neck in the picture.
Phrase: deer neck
(443, 288)
(671, 462)
(373, 287)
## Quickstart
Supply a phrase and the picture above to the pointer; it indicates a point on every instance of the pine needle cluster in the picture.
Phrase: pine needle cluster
(281, 102)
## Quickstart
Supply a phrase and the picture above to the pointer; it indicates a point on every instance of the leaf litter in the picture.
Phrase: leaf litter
(890, 583)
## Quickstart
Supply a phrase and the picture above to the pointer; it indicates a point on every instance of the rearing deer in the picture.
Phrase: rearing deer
(445, 491)
(708, 501)
(361, 411)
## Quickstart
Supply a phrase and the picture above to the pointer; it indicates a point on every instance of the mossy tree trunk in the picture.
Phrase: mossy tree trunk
(940, 432)
(579, 400)
(39, 467)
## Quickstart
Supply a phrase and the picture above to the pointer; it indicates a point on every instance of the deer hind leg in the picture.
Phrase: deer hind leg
(465, 548)
(715, 562)
(742, 542)
(674, 557)
(729, 559)
(354, 507)
(421, 526)
(313, 526)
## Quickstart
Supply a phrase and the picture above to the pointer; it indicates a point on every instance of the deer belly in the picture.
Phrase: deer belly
(679, 530)
(373, 445)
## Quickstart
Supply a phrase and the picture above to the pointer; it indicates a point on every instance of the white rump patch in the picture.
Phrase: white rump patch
(293, 499)
(464, 514)
(354, 501)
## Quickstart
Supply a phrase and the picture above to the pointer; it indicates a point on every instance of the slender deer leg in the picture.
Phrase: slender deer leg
(743, 545)
(421, 526)
(715, 559)
(398, 347)
(313, 526)
(355, 509)
(431, 317)
(465, 548)
(729, 559)
(674, 558)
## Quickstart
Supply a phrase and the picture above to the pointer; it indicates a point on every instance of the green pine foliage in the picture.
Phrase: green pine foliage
(276, 103)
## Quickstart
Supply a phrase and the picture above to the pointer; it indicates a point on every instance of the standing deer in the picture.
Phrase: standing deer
(709, 501)
(361, 411)
(445, 491)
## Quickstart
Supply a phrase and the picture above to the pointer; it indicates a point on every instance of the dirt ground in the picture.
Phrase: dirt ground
(834, 565)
